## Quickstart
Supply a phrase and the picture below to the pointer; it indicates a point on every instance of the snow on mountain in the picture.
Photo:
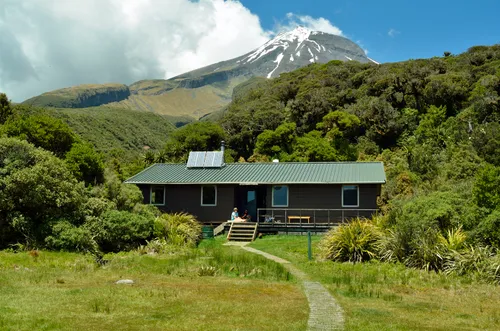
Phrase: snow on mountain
(300, 47)
(286, 52)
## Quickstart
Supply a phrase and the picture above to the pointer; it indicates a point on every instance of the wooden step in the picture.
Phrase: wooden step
(242, 234)
(242, 231)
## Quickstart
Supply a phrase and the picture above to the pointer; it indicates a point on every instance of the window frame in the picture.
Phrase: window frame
(201, 196)
(287, 195)
(357, 198)
(151, 195)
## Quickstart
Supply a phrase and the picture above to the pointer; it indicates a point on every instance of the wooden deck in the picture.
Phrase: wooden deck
(275, 228)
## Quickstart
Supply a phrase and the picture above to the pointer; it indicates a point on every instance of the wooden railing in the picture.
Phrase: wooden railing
(305, 216)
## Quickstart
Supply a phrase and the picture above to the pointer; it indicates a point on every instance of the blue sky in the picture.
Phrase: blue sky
(420, 29)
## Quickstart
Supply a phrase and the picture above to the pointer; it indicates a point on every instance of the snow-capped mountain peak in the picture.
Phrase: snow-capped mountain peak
(286, 52)
(301, 33)
(299, 47)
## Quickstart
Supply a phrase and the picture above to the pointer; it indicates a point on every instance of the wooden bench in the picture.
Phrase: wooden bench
(299, 218)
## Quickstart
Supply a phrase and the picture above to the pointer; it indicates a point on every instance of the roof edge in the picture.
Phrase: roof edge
(137, 174)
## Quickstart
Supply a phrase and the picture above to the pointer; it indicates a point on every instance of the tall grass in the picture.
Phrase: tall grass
(355, 241)
(204, 288)
(178, 229)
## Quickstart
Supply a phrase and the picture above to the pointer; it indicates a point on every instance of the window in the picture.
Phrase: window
(350, 196)
(157, 195)
(280, 196)
(209, 195)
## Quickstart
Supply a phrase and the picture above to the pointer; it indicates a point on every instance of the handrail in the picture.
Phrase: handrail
(272, 216)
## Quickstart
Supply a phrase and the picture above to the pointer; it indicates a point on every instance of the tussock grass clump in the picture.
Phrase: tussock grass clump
(178, 229)
(355, 241)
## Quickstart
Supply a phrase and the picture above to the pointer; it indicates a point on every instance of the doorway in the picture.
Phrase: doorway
(250, 197)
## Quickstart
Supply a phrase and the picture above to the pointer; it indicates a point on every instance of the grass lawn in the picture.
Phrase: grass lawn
(209, 288)
(380, 296)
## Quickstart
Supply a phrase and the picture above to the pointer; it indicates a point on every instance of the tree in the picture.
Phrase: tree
(313, 148)
(198, 136)
(450, 90)
(36, 188)
(42, 131)
(85, 163)
(5, 108)
(124, 196)
(486, 190)
(429, 128)
(486, 141)
(277, 142)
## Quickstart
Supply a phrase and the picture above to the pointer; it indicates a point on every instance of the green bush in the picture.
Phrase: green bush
(120, 230)
(68, 237)
(426, 251)
(124, 196)
(85, 163)
(488, 230)
(36, 188)
(480, 262)
(178, 229)
(355, 241)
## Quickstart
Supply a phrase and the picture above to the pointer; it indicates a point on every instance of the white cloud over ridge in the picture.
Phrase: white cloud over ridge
(51, 44)
(315, 24)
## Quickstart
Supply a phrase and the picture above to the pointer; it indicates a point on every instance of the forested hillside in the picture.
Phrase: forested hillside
(108, 128)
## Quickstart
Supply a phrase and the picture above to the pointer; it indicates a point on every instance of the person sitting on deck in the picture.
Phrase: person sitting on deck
(246, 217)
(234, 214)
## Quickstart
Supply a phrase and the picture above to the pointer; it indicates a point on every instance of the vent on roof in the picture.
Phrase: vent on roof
(205, 160)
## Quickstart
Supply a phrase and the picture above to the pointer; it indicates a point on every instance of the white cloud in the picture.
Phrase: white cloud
(393, 33)
(50, 44)
(316, 24)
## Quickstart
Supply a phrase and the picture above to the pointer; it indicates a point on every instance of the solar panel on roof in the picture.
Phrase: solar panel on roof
(200, 159)
(209, 159)
(218, 159)
(205, 160)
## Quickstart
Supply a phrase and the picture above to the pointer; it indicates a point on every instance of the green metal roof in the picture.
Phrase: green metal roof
(265, 173)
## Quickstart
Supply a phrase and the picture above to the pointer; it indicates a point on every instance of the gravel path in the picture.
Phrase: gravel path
(324, 311)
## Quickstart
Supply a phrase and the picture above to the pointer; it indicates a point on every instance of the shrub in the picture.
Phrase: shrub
(393, 246)
(454, 239)
(422, 249)
(66, 236)
(178, 229)
(426, 251)
(472, 260)
(488, 230)
(85, 163)
(125, 196)
(355, 241)
(121, 230)
(487, 187)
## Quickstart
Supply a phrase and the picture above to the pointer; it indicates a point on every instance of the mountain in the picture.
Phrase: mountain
(208, 89)
(81, 96)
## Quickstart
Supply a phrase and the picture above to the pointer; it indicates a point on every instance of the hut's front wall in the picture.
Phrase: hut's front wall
(187, 198)
(326, 196)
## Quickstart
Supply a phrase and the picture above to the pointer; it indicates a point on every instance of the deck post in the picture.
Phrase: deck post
(309, 246)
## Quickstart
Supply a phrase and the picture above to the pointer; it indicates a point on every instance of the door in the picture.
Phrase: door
(246, 199)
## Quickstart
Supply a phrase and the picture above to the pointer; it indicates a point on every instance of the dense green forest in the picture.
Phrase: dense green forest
(433, 122)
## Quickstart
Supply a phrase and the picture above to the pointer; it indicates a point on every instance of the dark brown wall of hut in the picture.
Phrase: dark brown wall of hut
(325, 196)
(145, 189)
(187, 198)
